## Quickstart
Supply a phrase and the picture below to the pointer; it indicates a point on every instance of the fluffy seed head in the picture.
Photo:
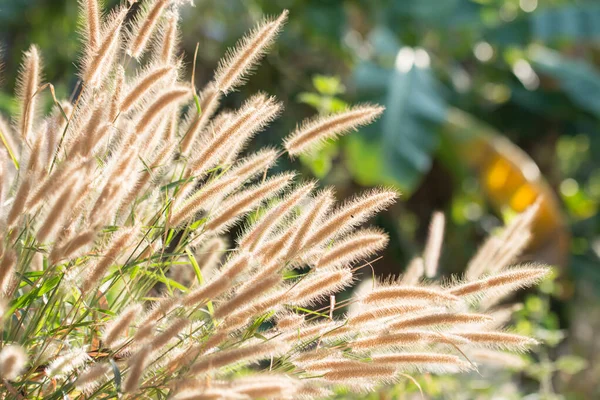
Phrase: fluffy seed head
(13, 360)
(315, 131)
(238, 62)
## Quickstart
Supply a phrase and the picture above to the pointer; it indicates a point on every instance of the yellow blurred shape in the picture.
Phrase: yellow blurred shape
(523, 198)
(497, 174)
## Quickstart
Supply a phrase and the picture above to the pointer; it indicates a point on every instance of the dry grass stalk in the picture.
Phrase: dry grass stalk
(433, 248)
(414, 272)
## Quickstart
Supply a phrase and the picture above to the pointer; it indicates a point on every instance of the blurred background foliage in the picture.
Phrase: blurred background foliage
(491, 104)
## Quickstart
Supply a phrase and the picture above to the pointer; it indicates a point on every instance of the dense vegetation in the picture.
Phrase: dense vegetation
(460, 79)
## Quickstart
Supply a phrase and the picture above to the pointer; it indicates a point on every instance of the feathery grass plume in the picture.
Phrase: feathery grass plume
(232, 269)
(144, 26)
(351, 214)
(203, 198)
(267, 386)
(144, 83)
(145, 177)
(319, 285)
(274, 253)
(246, 353)
(504, 282)
(253, 116)
(161, 340)
(7, 270)
(315, 131)
(209, 102)
(387, 294)
(27, 86)
(114, 250)
(98, 62)
(289, 320)
(69, 244)
(209, 255)
(57, 213)
(239, 61)
(321, 205)
(56, 124)
(209, 393)
(36, 156)
(379, 313)
(433, 362)
(433, 248)
(67, 363)
(499, 340)
(406, 339)
(254, 164)
(116, 98)
(333, 363)
(414, 272)
(500, 250)
(60, 174)
(91, 133)
(234, 207)
(120, 325)
(270, 303)
(148, 323)
(383, 373)
(247, 295)
(359, 245)
(92, 377)
(13, 361)
(137, 364)
(443, 319)
(155, 110)
(169, 38)
(258, 231)
(90, 9)
(20, 200)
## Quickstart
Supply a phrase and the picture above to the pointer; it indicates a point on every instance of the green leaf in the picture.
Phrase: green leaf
(579, 80)
(571, 364)
(328, 85)
(320, 161)
(312, 99)
(414, 107)
(364, 161)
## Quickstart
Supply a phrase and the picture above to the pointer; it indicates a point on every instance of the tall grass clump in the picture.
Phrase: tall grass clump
(118, 272)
